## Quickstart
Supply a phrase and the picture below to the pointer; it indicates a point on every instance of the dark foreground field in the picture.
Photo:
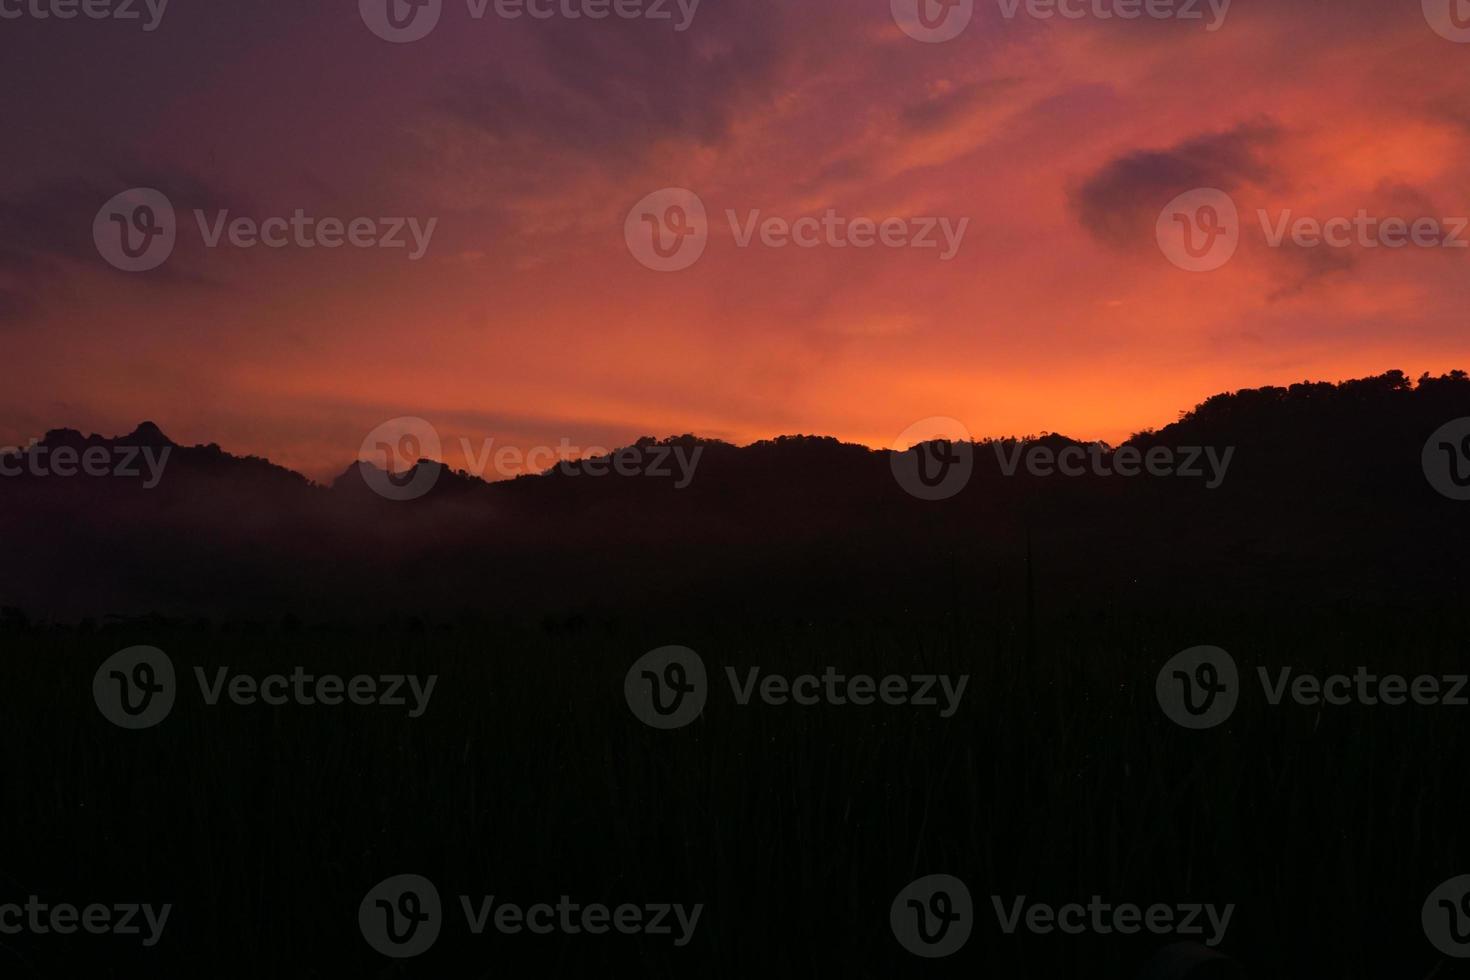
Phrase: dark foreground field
(1332, 835)
(528, 778)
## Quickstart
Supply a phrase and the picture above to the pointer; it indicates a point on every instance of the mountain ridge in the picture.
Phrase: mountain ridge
(1223, 408)
(1288, 485)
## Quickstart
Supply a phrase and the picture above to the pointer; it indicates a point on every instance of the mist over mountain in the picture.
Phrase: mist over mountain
(1270, 488)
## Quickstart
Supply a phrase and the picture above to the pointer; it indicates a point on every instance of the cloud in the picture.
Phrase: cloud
(950, 105)
(46, 230)
(15, 306)
(1297, 269)
(1119, 203)
(611, 88)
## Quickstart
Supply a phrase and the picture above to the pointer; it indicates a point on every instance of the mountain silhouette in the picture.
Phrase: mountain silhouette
(1321, 478)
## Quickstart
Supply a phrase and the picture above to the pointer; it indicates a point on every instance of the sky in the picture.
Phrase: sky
(536, 157)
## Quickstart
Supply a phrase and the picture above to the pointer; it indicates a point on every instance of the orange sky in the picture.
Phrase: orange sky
(529, 321)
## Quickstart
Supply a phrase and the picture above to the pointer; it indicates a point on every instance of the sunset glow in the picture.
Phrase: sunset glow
(528, 321)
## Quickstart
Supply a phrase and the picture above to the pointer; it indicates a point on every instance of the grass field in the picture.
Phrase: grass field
(528, 778)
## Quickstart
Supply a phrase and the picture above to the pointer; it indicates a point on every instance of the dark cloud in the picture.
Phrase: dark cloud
(938, 111)
(1297, 270)
(837, 173)
(15, 306)
(47, 229)
(1120, 202)
(1397, 199)
(609, 88)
